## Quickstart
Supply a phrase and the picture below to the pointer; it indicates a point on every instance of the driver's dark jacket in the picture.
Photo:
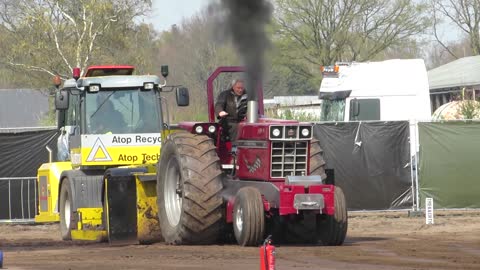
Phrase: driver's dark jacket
(226, 101)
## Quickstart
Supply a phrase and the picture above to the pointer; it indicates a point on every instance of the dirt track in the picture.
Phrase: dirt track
(374, 241)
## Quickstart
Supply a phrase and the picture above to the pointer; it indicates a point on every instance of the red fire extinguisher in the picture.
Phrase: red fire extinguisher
(267, 255)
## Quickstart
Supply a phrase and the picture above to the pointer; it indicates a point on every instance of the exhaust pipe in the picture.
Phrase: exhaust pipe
(252, 111)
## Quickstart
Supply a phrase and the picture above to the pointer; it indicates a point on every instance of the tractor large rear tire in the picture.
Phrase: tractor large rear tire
(317, 163)
(188, 190)
(248, 217)
(66, 210)
(333, 229)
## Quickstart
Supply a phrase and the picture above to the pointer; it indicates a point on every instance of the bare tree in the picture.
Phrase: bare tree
(53, 36)
(464, 14)
(312, 33)
(436, 54)
(193, 50)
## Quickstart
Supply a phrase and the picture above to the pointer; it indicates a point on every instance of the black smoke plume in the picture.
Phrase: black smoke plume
(245, 22)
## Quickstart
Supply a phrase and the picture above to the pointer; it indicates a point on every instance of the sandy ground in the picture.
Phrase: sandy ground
(385, 240)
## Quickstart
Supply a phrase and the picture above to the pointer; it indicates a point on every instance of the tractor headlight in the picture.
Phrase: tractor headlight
(276, 132)
(212, 129)
(199, 129)
(305, 132)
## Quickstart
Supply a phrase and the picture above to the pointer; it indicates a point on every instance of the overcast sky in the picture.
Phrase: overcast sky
(165, 13)
(168, 12)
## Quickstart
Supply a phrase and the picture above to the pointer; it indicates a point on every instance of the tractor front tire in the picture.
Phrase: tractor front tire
(66, 210)
(189, 184)
(333, 229)
(248, 217)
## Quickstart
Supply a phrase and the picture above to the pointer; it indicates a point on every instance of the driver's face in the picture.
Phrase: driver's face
(238, 88)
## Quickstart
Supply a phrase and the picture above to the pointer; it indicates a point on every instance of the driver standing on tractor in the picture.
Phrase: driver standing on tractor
(231, 105)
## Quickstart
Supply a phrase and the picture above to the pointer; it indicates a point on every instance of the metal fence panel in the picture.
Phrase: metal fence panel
(18, 197)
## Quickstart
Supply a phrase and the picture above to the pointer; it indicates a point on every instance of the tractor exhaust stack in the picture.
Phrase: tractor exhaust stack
(252, 111)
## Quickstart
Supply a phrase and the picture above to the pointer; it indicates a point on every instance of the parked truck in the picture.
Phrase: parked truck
(388, 90)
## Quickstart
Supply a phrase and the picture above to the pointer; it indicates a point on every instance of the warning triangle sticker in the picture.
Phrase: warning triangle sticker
(99, 152)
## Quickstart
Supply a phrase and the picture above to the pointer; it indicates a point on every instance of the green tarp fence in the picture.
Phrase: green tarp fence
(449, 164)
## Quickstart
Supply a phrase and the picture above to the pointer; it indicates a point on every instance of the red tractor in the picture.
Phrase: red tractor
(273, 182)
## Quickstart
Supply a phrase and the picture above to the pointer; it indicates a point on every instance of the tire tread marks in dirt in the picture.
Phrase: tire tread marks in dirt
(202, 212)
(253, 228)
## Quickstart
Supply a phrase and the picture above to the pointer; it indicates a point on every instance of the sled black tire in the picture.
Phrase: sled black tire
(300, 229)
(333, 229)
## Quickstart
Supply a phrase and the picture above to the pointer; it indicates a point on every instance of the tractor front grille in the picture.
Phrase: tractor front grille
(288, 158)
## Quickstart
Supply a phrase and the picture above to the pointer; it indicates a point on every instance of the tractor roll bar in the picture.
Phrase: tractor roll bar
(210, 97)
